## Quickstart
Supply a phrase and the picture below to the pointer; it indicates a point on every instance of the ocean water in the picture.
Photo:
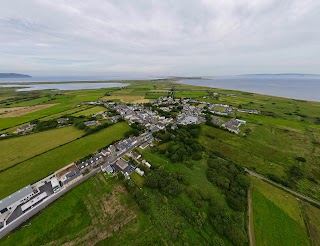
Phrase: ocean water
(296, 87)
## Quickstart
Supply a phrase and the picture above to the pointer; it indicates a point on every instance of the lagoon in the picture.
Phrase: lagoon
(64, 86)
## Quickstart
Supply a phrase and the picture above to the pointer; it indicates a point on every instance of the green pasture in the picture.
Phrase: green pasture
(41, 166)
(14, 150)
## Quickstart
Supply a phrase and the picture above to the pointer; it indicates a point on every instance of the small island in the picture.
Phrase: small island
(14, 75)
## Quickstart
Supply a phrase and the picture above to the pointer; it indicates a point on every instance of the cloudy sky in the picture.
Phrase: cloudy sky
(159, 37)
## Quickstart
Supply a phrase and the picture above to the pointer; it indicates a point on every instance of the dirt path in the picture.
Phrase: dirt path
(250, 213)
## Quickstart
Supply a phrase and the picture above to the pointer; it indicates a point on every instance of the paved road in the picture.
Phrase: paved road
(303, 197)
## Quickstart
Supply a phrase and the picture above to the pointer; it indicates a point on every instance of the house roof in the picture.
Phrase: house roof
(122, 164)
(7, 201)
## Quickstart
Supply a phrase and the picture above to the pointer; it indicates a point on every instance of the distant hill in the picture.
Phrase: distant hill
(14, 75)
(283, 74)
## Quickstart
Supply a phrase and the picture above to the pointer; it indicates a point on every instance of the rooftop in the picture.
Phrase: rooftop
(14, 197)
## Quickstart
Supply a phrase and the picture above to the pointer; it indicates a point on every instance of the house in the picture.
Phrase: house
(105, 152)
(112, 148)
(139, 171)
(15, 199)
(62, 120)
(217, 121)
(144, 145)
(24, 128)
(92, 123)
(136, 155)
(107, 168)
(122, 164)
(70, 176)
(242, 122)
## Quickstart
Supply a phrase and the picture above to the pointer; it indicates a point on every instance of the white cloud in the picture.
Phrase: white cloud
(181, 37)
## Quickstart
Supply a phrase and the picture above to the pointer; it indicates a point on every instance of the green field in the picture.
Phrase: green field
(277, 216)
(43, 165)
(91, 212)
(90, 111)
(67, 101)
(18, 149)
(271, 147)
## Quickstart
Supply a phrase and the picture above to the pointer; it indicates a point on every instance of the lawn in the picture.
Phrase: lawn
(18, 149)
(137, 179)
(277, 221)
(41, 166)
(95, 210)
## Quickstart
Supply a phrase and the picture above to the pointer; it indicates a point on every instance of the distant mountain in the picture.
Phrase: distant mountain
(14, 75)
(282, 74)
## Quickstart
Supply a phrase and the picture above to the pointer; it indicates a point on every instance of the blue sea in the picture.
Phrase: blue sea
(291, 86)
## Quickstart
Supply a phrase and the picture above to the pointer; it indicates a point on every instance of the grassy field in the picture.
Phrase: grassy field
(41, 166)
(91, 212)
(65, 100)
(18, 149)
(90, 111)
(260, 149)
(278, 216)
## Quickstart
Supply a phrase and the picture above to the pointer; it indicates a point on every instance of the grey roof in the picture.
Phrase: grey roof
(14, 197)
(122, 164)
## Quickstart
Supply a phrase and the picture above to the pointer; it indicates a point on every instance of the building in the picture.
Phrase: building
(24, 128)
(144, 145)
(107, 168)
(55, 185)
(105, 152)
(92, 123)
(62, 120)
(139, 171)
(136, 155)
(122, 164)
(147, 164)
(12, 201)
(34, 201)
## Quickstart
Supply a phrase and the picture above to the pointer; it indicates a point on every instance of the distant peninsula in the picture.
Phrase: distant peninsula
(14, 75)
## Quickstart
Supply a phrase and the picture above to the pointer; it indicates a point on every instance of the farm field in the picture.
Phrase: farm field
(277, 216)
(90, 111)
(64, 102)
(15, 150)
(126, 98)
(25, 110)
(41, 166)
(95, 210)
(10, 122)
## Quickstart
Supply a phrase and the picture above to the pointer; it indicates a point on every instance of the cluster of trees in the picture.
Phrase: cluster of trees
(228, 223)
(164, 181)
(44, 125)
(136, 130)
(231, 179)
(184, 145)
(80, 125)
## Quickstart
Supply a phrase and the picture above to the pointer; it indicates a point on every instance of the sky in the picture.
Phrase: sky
(159, 38)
